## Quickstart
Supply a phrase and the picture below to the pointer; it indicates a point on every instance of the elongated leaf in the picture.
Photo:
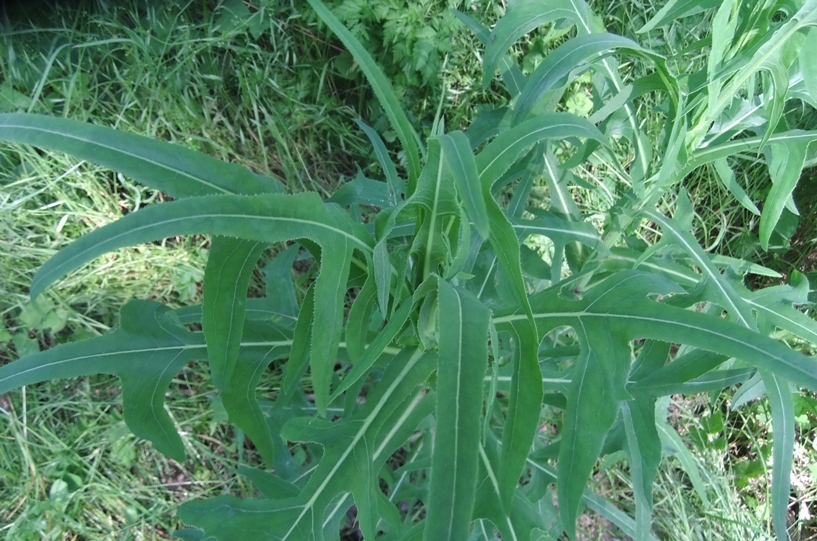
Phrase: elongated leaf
(785, 166)
(457, 155)
(227, 276)
(396, 186)
(776, 309)
(782, 405)
(681, 370)
(614, 313)
(558, 230)
(520, 19)
(501, 153)
(738, 309)
(595, 502)
(463, 355)
(746, 66)
(726, 22)
(599, 377)
(357, 329)
(280, 291)
(747, 144)
(674, 445)
(374, 350)
(173, 169)
(574, 53)
(382, 276)
(436, 199)
(382, 89)
(511, 74)
(363, 191)
(644, 450)
(526, 389)
(512, 521)
(145, 352)
(727, 178)
(677, 9)
(302, 336)
(720, 291)
(267, 218)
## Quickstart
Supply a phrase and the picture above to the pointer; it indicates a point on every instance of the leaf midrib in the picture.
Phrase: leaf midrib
(112, 239)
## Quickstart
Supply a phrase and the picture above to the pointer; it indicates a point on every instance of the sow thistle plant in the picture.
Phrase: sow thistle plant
(418, 402)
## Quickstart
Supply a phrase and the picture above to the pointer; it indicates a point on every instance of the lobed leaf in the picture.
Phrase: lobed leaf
(577, 53)
(263, 218)
(677, 9)
(145, 352)
(501, 153)
(368, 437)
(457, 156)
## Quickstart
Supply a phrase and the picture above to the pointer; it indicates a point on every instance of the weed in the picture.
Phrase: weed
(432, 331)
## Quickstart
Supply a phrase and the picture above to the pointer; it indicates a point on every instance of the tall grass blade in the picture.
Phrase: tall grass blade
(382, 89)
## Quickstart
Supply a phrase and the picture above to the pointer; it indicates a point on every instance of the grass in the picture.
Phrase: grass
(69, 469)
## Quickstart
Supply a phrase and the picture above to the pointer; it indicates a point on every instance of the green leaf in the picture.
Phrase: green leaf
(382, 89)
(764, 57)
(807, 64)
(746, 144)
(280, 291)
(375, 349)
(382, 276)
(785, 167)
(363, 191)
(776, 309)
(230, 265)
(599, 377)
(613, 313)
(457, 156)
(558, 230)
(146, 352)
(596, 503)
(436, 200)
(463, 355)
(173, 169)
(640, 317)
(521, 18)
(299, 355)
(357, 328)
(674, 445)
(677, 9)
(576, 53)
(721, 291)
(727, 178)
(501, 153)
